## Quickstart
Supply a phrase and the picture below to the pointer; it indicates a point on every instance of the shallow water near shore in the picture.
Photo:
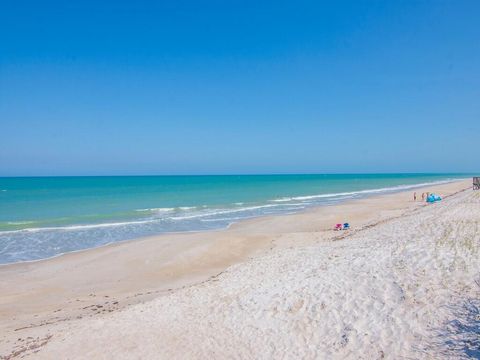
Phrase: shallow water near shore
(45, 217)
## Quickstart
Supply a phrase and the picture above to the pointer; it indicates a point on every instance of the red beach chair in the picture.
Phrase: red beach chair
(338, 227)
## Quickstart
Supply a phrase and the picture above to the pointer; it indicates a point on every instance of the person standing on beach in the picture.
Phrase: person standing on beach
(414, 196)
(423, 196)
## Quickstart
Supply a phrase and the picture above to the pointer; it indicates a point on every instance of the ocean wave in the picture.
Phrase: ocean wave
(223, 211)
(77, 227)
(166, 210)
(300, 206)
(156, 210)
(20, 222)
(211, 213)
(360, 192)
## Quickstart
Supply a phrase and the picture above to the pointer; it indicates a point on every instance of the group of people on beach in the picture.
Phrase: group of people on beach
(424, 196)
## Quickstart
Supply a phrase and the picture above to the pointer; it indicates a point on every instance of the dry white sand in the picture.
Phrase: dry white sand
(407, 287)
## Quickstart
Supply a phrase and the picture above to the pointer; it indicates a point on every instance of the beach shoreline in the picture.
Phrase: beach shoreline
(371, 193)
(99, 281)
(47, 222)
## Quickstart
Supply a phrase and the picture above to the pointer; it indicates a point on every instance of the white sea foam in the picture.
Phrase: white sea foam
(156, 210)
(223, 211)
(166, 210)
(360, 192)
(20, 222)
(77, 227)
(136, 222)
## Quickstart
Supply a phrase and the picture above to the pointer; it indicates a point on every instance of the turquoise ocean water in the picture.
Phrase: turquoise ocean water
(47, 216)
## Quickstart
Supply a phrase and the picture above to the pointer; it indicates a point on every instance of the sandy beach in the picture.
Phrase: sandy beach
(402, 283)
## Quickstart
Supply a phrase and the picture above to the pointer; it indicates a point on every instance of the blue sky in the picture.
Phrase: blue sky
(208, 87)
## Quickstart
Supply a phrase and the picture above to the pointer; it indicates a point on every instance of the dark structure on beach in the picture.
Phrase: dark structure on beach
(476, 183)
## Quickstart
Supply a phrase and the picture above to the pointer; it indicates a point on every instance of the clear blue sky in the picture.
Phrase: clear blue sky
(201, 87)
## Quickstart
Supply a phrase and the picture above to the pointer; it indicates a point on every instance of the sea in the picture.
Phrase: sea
(43, 217)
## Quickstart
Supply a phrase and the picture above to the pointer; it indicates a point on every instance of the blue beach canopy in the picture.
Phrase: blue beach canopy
(432, 198)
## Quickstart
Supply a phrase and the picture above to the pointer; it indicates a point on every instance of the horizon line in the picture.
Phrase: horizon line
(242, 174)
